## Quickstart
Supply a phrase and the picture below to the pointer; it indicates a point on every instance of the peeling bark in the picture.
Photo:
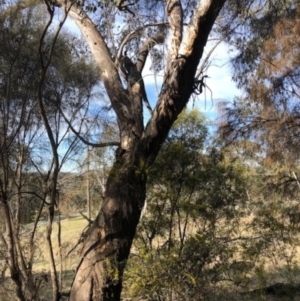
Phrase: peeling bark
(174, 12)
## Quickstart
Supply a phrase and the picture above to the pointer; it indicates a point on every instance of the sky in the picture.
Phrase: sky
(219, 81)
(221, 86)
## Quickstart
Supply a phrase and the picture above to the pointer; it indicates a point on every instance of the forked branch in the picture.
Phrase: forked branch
(131, 36)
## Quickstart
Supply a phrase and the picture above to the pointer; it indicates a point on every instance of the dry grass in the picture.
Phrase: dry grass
(282, 268)
(71, 230)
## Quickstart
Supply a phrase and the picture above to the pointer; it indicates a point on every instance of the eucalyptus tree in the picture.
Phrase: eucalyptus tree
(120, 37)
(265, 119)
(19, 131)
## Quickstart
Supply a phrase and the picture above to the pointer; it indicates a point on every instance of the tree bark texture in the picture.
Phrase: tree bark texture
(107, 245)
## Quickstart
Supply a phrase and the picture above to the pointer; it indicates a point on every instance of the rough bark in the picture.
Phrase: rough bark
(107, 246)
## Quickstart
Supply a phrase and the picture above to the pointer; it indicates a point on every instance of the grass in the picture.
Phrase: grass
(71, 230)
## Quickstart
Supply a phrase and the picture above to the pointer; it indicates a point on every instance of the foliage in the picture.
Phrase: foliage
(269, 109)
(185, 244)
(264, 121)
(210, 224)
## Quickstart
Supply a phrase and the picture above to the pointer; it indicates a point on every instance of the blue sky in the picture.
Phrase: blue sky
(219, 81)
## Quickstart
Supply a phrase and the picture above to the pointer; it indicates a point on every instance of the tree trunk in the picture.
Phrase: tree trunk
(100, 272)
(12, 260)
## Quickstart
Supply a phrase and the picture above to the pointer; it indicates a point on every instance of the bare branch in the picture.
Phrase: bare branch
(45, 68)
(144, 50)
(85, 217)
(104, 144)
(122, 6)
(175, 16)
(32, 193)
(131, 36)
(203, 65)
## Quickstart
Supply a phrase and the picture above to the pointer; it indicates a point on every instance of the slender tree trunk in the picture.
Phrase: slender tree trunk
(51, 260)
(88, 194)
(11, 251)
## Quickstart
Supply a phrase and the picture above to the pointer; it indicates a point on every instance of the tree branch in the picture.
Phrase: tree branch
(203, 65)
(104, 144)
(131, 36)
(107, 69)
(199, 27)
(179, 78)
(147, 46)
(175, 16)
